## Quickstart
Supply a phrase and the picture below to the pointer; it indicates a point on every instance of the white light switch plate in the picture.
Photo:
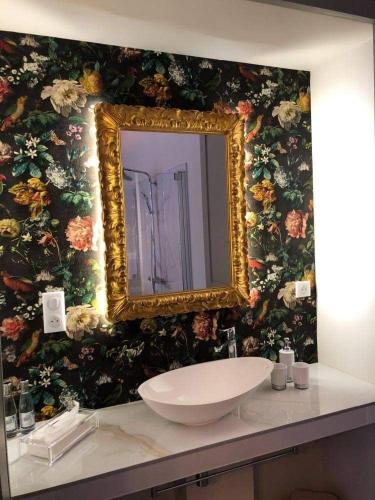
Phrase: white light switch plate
(303, 289)
(54, 312)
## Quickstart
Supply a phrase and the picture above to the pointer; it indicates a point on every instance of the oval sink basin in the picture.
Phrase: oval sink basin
(200, 394)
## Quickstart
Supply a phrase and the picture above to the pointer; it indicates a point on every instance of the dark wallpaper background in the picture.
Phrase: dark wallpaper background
(49, 217)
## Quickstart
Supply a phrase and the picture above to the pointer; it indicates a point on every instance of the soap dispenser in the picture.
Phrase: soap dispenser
(286, 356)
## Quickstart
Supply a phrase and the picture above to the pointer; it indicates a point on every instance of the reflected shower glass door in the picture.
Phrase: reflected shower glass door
(158, 262)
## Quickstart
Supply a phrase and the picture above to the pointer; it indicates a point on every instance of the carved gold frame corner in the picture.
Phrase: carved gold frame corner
(110, 120)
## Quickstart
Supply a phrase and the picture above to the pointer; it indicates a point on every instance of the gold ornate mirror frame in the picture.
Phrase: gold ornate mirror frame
(110, 120)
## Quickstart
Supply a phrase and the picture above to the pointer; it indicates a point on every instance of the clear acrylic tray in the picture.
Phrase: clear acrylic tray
(53, 448)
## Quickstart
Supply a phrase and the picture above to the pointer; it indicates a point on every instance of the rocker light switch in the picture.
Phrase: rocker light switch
(303, 289)
(54, 312)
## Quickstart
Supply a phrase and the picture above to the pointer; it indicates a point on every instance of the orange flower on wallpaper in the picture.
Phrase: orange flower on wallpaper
(254, 263)
(12, 327)
(295, 223)
(245, 109)
(4, 89)
(156, 86)
(32, 193)
(80, 233)
(264, 191)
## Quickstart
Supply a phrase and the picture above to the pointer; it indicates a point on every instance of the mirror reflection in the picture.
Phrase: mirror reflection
(176, 211)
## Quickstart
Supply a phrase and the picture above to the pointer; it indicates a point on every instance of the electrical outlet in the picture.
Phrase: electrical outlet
(54, 312)
(303, 289)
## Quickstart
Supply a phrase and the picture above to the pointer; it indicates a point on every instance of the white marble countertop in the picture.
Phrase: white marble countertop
(132, 435)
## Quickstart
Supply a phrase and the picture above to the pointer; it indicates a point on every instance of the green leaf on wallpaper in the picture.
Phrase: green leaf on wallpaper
(159, 67)
(1, 187)
(193, 95)
(19, 168)
(87, 298)
(257, 172)
(74, 74)
(37, 396)
(76, 120)
(34, 170)
(271, 134)
(47, 157)
(127, 81)
(40, 119)
(88, 341)
(19, 139)
(266, 173)
(10, 109)
(112, 398)
(80, 199)
(294, 196)
(48, 399)
(213, 83)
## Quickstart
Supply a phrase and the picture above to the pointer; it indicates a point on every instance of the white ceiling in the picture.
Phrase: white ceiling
(235, 30)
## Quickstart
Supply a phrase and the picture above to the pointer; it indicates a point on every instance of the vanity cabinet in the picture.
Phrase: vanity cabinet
(341, 465)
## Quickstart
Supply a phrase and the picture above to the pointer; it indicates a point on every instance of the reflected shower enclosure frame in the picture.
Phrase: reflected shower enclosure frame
(112, 121)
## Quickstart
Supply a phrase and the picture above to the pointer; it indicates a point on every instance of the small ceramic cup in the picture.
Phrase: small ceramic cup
(301, 375)
(278, 376)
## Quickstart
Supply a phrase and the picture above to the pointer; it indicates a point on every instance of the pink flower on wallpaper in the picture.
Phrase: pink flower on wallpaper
(245, 109)
(205, 326)
(12, 327)
(79, 233)
(4, 89)
(254, 297)
(295, 223)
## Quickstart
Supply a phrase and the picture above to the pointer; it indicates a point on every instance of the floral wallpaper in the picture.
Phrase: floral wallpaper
(49, 218)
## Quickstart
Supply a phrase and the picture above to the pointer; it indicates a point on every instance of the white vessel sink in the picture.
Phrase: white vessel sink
(202, 393)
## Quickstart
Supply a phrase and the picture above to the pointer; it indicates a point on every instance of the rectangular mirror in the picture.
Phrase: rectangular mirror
(173, 210)
(176, 204)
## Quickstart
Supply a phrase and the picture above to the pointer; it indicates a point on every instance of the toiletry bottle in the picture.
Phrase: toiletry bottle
(286, 356)
(10, 411)
(26, 409)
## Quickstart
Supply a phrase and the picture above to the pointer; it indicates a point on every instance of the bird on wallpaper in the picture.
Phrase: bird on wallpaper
(10, 120)
(16, 284)
(263, 313)
(247, 73)
(254, 132)
(6, 47)
(26, 354)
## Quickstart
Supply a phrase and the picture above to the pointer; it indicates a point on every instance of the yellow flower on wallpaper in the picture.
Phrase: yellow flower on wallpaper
(32, 193)
(92, 81)
(9, 228)
(309, 275)
(264, 191)
(156, 86)
(304, 101)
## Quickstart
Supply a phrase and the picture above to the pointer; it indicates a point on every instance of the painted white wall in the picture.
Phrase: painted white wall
(344, 181)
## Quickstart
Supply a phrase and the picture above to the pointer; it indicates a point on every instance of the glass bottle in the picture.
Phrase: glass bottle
(26, 409)
(10, 411)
